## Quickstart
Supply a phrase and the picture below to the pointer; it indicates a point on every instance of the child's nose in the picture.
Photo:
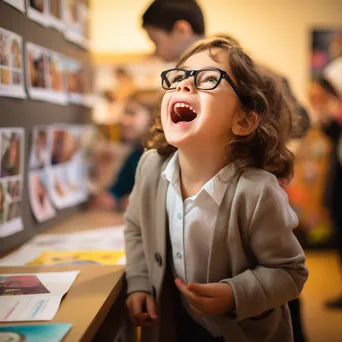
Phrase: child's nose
(186, 85)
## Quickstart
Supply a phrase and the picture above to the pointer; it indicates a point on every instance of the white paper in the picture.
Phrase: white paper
(11, 180)
(105, 239)
(76, 18)
(33, 296)
(38, 11)
(11, 65)
(45, 78)
(18, 4)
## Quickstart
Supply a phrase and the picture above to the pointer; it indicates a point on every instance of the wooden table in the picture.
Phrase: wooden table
(97, 293)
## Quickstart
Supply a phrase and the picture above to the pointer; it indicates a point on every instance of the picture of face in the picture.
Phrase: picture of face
(10, 155)
(76, 78)
(38, 5)
(64, 146)
(4, 49)
(37, 69)
(2, 203)
(21, 285)
(55, 8)
(56, 77)
(13, 211)
(16, 54)
(11, 337)
(5, 76)
(39, 157)
(13, 189)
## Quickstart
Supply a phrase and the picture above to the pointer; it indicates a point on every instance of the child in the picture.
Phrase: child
(172, 26)
(207, 210)
(134, 124)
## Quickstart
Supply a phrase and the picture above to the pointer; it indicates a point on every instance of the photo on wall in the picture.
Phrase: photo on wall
(11, 180)
(56, 14)
(45, 75)
(11, 65)
(18, 4)
(76, 20)
(38, 11)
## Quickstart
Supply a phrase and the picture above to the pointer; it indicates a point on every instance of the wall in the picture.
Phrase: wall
(276, 32)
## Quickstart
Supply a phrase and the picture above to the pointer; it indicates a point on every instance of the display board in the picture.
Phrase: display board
(28, 113)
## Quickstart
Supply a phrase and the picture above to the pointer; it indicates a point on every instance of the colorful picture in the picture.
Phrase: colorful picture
(14, 189)
(39, 199)
(77, 21)
(39, 149)
(11, 65)
(79, 257)
(10, 154)
(34, 333)
(37, 10)
(21, 285)
(2, 203)
(45, 76)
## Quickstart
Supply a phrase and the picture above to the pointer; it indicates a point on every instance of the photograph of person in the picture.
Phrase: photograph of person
(38, 5)
(16, 54)
(21, 285)
(2, 203)
(40, 202)
(57, 153)
(37, 68)
(56, 76)
(13, 211)
(39, 152)
(55, 9)
(4, 52)
(5, 76)
(75, 77)
(13, 189)
(72, 13)
(10, 154)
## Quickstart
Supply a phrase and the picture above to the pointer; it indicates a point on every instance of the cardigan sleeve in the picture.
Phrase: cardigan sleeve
(280, 273)
(136, 265)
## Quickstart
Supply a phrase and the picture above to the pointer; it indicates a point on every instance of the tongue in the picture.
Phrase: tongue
(184, 114)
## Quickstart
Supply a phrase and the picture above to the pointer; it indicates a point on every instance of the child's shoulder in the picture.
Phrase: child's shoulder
(151, 160)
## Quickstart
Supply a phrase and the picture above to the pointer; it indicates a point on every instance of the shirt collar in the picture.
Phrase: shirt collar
(215, 187)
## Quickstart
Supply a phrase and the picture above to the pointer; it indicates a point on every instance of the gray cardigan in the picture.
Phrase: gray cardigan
(253, 248)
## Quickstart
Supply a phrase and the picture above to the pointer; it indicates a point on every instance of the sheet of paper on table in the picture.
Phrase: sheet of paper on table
(33, 296)
(102, 239)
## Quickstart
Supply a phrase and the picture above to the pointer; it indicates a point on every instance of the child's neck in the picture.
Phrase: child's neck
(196, 169)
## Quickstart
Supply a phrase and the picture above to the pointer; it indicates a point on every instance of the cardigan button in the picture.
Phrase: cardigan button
(158, 259)
(154, 293)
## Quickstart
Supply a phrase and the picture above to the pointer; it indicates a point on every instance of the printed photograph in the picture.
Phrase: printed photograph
(37, 69)
(39, 149)
(21, 285)
(13, 210)
(56, 73)
(4, 48)
(2, 203)
(16, 54)
(14, 189)
(38, 5)
(40, 202)
(10, 154)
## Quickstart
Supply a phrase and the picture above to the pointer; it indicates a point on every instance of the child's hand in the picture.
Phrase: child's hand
(142, 309)
(208, 299)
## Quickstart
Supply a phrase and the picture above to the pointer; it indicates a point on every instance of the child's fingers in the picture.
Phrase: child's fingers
(144, 320)
(151, 308)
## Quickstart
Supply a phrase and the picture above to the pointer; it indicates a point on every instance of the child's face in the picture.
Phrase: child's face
(168, 45)
(135, 121)
(212, 123)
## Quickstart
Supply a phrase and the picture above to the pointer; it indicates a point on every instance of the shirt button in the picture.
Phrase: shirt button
(179, 255)
(179, 216)
(158, 259)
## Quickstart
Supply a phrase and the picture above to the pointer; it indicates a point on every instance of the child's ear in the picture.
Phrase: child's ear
(183, 28)
(244, 123)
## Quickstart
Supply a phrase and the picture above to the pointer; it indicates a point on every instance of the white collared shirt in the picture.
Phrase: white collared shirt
(191, 224)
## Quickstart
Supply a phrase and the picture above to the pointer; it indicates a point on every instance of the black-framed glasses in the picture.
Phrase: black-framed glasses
(204, 79)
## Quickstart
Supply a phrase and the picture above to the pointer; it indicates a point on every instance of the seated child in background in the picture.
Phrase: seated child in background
(134, 125)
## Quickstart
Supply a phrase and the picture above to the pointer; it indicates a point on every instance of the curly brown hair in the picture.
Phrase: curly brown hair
(263, 94)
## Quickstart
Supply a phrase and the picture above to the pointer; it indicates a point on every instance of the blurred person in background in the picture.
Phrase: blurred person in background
(113, 190)
(326, 100)
(172, 26)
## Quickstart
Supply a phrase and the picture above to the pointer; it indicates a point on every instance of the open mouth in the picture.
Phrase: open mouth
(182, 112)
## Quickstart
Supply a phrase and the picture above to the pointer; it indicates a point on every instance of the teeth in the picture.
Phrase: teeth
(179, 104)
